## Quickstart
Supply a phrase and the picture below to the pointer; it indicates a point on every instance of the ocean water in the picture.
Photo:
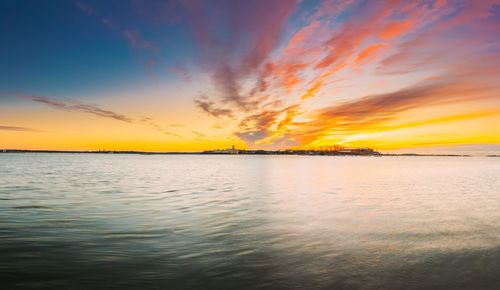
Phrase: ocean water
(101, 221)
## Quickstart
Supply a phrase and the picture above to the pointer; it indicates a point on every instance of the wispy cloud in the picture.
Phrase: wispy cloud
(209, 107)
(153, 124)
(76, 106)
(157, 11)
(85, 7)
(107, 22)
(14, 128)
(181, 71)
(198, 134)
(71, 105)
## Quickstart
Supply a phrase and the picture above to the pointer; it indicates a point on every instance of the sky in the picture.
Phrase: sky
(150, 75)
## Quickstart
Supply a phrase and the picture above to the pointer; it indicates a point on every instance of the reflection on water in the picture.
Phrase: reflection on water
(132, 221)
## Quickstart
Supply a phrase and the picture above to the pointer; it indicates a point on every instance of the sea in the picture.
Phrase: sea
(120, 221)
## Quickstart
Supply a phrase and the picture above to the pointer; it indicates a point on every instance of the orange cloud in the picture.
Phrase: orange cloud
(290, 113)
(395, 29)
(299, 40)
(368, 52)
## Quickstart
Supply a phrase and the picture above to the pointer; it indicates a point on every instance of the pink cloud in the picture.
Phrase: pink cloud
(85, 7)
(369, 52)
(107, 22)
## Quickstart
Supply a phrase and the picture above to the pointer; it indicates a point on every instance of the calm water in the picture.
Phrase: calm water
(89, 221)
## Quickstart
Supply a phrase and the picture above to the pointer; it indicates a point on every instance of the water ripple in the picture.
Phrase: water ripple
(250, 222)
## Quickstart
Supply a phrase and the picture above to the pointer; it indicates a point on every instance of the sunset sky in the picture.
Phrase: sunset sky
(271, 74)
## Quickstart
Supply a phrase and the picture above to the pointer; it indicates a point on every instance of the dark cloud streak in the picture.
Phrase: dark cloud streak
(78, 106)
(385, 105)
(209, 107)
(74, 105)
(198, 134)
(14, 128)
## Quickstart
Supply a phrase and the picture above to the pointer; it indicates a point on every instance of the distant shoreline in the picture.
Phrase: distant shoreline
(241, 152)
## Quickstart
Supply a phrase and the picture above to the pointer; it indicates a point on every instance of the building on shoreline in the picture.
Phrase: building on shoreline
(223, 151)
(231, 151)
(321, 151)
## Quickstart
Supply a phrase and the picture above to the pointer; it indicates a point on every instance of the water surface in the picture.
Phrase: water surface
(91, 221)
